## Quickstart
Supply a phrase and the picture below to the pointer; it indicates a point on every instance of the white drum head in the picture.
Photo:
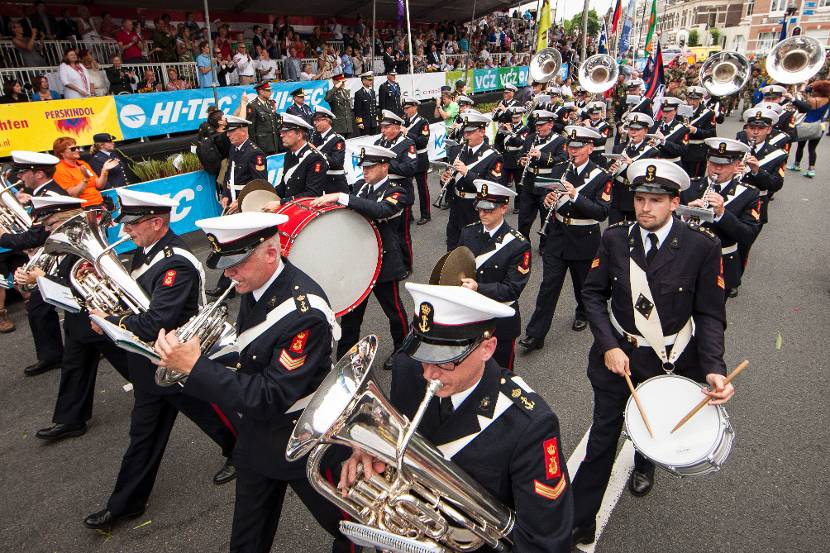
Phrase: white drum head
(339, 250)
(666, 399)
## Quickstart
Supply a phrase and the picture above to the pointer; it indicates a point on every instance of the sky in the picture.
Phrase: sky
(566, 9)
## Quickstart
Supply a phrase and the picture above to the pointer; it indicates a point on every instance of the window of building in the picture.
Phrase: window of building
(823, 3)
(750, 6)
(777, 6)
(766, 41)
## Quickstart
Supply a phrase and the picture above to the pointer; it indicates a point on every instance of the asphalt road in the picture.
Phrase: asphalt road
(770, 496)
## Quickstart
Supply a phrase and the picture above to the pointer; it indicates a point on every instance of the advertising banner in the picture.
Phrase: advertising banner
(421, 86)
(159, 113)
(35, 125)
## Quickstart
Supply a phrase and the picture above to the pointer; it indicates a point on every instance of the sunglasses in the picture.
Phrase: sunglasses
(74, 148)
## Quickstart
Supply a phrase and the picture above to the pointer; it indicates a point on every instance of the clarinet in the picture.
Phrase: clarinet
(544, 230)
(746, 170)
(529, 160)
(440, 201)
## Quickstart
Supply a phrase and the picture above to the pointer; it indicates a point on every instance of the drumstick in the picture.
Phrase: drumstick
(639, 405)
(744, 364)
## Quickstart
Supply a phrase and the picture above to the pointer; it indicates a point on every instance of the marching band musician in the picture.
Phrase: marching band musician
(284, 343)
(503, 111)
(265, 122)
(581, 97)
(246, 161)
(366, 105)
(298, 107)
(572, 231)
(35, 170)
(477, 160)
(332, 147)
(541, 151)
(401, 171)
(636, 102)
(595, 120)
(484, 418)
(774, 94)
(510, 139)
(567, 114)
(672, 134)
(305, 170)
(377, 198)
(456, 131)
(173, 279)
(502, 257)
(636, 147)
(417, 130)
(776, 137)
(661, 277)
(766, 161)
(736, 206)
(701, 126)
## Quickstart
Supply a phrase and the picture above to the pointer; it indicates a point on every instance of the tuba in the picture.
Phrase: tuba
(98, 276)
(545, 64)
(13, 216)
(598, 73)
(724, 73)
(422, 502)
(795, 59)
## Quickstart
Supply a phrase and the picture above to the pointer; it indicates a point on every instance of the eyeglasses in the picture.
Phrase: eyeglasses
(452, 365)
(139, 221)
(74, 148)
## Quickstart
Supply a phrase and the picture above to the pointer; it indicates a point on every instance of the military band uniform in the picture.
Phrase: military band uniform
(305, 173)
(380, 203)
(389, 97)
(676, 140)
(502, 272)
(332, 146)
(366, 111)
(572, 239)
(502, 113)
(265, 124)
(511, 446)
(686, 283)
(770, 177)
(739, 223)
(643, 106)
(281, 365)
(417, 130)
(483, 162)
(552, 148)
(622, 198)
(169, 275)
(301, 110)
(604, 129)
(703, 119)
(246, 162)
(401, 171)
(510, 144)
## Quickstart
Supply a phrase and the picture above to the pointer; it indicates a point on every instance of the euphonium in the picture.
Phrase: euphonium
(422, 502)
(13, 216)
(210, 326)
(47, 263)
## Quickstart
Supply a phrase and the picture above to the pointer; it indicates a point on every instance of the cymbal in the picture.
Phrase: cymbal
(453, 266)
(256, 194)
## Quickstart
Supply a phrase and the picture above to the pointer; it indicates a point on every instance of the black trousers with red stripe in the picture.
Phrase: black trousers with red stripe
(406, 236)
(505, 353)
(389, 298)
(424, 205)
(151, 422)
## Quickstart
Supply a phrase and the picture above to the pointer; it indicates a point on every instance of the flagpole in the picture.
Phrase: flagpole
(585, 6)
(411, 54)
(640, 34)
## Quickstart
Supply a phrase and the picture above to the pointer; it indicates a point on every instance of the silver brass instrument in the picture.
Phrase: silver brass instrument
(598, 73)
(422, 502)
(553, 206)
(47, 263)
(724, 73)
(795, 59)
(545, 64)
(441, 201)
(98, 276)
(210, 326)
(13, 216)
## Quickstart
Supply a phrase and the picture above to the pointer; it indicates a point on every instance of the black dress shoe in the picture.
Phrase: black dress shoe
(640, 483)
(530, 343)
(60, 431)
(41, 367)
(389, 363)
(733, 293)
(103, 520)
(423, 221)
(579, 325)
(583, 534)
(225, 474)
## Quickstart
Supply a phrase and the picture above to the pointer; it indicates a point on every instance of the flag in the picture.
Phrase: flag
(602, 47)
(652, 24)
(543, 27)
(616, 17)
(783, 34)
(628, 22)
(401, 12)
(653, 74)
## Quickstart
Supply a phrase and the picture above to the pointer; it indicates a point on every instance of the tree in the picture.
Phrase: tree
(715, 32)
(694, 38)
(575, 23)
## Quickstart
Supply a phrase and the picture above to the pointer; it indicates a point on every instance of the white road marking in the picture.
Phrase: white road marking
(623, 465)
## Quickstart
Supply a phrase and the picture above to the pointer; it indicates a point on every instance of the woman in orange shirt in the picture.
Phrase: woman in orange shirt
(76, 176)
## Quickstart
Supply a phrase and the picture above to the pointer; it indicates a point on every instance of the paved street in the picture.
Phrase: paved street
(770, 496)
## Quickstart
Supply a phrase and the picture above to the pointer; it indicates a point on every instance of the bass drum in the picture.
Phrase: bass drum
(336, 246)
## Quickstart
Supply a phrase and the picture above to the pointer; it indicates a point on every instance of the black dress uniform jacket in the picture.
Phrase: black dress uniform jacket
(604, 129)
(739, 223)
(404, 166)
(301, 110)
(770, 177)
(703, 120)
(366, 110)
(280, 366)
(382, 204)
(265, 127)
(502, 270)
(510, 144)
(389, 97)
(116, 176)
(514, 450)
(333, 148)
(622, 199)
(305, 173)
(501, 113)
(246, 162)
(485, 162)
(417, 130)
(677, 137)
(552, 148)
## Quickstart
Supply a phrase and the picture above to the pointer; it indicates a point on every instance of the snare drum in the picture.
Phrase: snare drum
(698, 447)
(337, 247)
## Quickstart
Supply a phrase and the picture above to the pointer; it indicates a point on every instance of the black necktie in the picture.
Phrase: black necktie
(446, 409)
(716, 188)
(653, 250)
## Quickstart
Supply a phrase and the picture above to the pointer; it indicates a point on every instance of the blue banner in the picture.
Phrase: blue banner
(196, 193)
(159, 113)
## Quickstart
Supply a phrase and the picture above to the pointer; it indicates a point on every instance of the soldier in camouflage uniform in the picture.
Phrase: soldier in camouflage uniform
(618, 94)
(749, 89)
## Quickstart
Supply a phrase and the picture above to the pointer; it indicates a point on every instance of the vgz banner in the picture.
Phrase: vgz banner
(159, 113)
(35, 125)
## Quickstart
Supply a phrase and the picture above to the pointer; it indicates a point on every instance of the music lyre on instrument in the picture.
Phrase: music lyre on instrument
(744, 364)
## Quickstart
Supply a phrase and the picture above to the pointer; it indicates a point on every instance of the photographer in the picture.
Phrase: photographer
(810, 130)
(121, 79)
